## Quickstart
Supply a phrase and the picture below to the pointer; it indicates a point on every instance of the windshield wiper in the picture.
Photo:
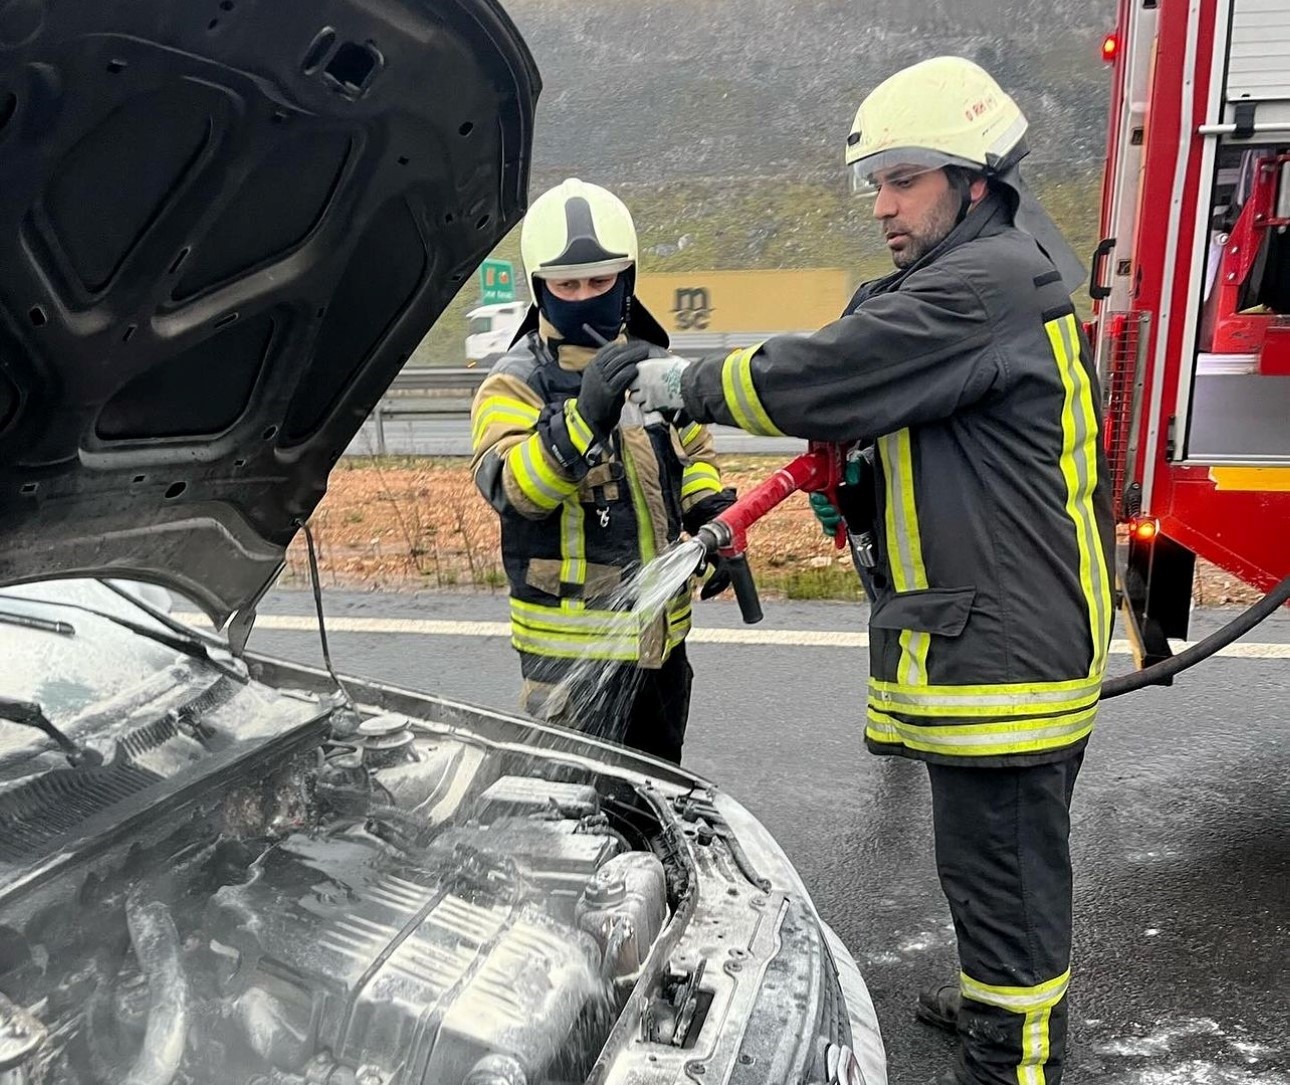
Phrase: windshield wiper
(30, 714)
(176, 636)
(47, 625)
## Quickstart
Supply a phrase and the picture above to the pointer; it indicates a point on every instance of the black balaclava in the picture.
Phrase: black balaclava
(606, 314)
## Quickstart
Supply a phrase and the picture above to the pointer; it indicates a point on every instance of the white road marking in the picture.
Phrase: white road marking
(766, 638)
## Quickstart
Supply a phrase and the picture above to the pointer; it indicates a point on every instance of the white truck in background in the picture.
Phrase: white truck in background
(490, 329)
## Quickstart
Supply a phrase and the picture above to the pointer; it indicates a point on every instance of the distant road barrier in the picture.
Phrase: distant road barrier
(401, 402)
(439, 379)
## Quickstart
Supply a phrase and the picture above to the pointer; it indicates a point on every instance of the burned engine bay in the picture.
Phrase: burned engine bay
(391, 906)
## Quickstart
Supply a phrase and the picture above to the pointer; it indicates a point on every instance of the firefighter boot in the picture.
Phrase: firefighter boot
(939, 1006)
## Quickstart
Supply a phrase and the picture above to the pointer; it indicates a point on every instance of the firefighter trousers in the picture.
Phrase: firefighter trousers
(644, 709)
(1003, 856)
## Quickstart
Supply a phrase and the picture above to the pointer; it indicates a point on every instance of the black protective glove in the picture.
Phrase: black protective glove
(605, 382)
(719, 581)
(698, 515)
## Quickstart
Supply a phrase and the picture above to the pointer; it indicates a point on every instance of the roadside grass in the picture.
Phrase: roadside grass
(398, 523)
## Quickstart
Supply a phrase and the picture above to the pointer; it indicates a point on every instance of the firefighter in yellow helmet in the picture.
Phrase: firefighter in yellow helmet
(586, 490)
(982, 527)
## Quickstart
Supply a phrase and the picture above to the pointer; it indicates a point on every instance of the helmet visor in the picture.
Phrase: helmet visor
(870, 173)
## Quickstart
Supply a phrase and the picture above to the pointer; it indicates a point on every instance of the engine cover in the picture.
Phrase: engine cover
(417, 969)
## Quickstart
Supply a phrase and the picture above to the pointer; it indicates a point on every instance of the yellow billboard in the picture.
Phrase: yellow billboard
(793, 300)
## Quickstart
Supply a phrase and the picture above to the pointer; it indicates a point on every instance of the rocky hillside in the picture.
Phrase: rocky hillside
(652, 90)
(722, 122)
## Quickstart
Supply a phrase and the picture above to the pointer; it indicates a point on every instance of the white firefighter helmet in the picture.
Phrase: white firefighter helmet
(577, 231)
(946, 111)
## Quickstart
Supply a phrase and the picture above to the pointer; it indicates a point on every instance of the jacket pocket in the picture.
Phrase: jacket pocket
(940, 611)
(544, 574)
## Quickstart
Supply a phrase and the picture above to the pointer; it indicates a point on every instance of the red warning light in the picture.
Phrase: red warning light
(1145, 530)
(1110, 47)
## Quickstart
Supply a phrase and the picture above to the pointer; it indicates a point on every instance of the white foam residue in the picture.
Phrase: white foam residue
(1198, 1072)
(1162, 1039)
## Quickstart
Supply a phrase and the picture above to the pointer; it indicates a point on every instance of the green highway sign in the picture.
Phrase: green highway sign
(496, 282)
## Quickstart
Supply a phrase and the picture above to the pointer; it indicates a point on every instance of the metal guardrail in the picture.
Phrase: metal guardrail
(466, 381)
(436, 379)
(427, 378)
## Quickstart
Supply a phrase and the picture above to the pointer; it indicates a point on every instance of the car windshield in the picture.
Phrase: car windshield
(480, 325)
(66, 659)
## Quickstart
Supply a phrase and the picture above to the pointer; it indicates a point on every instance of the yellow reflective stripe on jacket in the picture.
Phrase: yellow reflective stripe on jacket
(579, 432)
(644, 523)
(700, 477)
(571, 630)
(983, 739)
(1079, 468)
(741, 395)
(535, 477)
(905, 545)
(1020, 699)
(502, 411)
(1036, 1004)
(573, 544)
(690, 434)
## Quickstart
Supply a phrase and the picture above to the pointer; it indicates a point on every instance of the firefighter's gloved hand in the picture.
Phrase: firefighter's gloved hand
(605, 382)
(657, 386)
(719, 581)
(709, 508)
(827, 514)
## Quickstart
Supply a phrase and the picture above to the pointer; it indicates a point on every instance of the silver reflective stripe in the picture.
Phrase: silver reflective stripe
(935, 735)
(904, 543)
(1016, 999)
(573, 544)
(1086, 472)
(534, 478)
(1006, 700)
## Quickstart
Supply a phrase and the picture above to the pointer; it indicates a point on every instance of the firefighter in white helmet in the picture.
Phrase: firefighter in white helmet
(984, 528)
(586, 492)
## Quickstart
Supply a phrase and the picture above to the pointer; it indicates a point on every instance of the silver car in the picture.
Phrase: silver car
(223, 228)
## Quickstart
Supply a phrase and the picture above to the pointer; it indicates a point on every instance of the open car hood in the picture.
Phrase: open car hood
(224, 227)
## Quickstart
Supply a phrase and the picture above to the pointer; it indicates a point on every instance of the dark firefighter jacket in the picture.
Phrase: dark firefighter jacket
(567, 540)
(969, 370)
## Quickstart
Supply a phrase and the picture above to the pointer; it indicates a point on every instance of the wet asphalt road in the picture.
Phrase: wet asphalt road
(1181, 838)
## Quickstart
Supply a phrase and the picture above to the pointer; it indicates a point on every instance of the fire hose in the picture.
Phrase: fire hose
(820, 470)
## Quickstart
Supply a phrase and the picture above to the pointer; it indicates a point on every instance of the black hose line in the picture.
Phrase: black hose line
(1238, 627)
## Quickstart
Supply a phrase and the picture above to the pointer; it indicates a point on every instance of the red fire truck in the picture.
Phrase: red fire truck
(1191, 289)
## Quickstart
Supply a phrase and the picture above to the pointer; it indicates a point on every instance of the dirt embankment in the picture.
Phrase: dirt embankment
(408, 523)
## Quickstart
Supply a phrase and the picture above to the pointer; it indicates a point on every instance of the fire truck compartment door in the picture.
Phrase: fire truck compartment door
(1239, 417)
(1259, 64)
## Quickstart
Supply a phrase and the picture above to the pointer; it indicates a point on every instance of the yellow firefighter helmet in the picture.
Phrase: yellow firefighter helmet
(577, 231)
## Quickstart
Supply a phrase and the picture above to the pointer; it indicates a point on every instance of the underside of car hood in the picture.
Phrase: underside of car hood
(224, 227)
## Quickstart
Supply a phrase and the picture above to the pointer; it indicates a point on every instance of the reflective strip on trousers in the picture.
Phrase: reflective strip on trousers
(982, 739)
(741, 394)
(1079, 469)
(905, 545)
(1036, 1005)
